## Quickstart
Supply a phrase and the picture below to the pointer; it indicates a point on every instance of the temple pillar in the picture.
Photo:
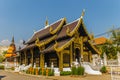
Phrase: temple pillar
(20, 59)
(105, 59)
(118, 58)
(25, 53)
(31, 51)
(71, 56)
(93, 61)
(81, 48)
(90, 56)
(42, 60)
(61, 61)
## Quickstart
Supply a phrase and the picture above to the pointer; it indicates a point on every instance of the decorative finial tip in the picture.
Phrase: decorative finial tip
(46, 22)
(34, 31)
(83, 12)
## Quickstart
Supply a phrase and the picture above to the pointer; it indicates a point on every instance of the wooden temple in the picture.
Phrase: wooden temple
(60, 43)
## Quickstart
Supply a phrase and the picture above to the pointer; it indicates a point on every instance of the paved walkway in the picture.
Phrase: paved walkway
(5, 75)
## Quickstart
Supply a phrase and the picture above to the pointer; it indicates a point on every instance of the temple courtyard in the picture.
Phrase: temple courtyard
(7, 75)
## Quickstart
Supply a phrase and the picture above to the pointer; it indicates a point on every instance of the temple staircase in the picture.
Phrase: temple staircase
(89, 69)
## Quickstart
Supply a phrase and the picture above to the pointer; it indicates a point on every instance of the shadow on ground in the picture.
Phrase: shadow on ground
(1, 77)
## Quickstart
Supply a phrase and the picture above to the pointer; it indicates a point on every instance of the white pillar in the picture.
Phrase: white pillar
(15, 64)
(118, 58)
(105, 59)
(6, 64)
(93, 61)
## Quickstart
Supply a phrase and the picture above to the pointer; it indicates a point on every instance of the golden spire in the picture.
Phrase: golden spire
(83, 13)
(46, 22)
(12, 40)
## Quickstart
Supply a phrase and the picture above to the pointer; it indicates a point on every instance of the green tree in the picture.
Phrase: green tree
(112, 46)
(2, 56)
(4, 52)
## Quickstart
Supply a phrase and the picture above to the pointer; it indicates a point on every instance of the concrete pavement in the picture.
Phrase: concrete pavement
(7, 75)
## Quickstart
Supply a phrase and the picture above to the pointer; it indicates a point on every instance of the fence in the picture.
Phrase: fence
(112, 62)
(115, 72)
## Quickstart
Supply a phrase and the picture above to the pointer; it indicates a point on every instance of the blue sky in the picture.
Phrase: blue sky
(21, 17)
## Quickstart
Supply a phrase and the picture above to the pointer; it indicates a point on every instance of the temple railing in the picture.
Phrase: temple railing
(90, 64)
(115, 72)
(112, 62)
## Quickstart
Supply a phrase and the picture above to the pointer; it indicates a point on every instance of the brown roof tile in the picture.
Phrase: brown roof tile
(28, 46)
(51, 47)
(71, 27)
(45, 32)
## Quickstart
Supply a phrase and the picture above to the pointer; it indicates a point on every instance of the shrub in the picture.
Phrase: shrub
(64, 73)
(12, 68)
(81, 70)
(36, 71)
(27, 71)
(78, 71)
(51, 72)
(103, 69)
(40, 72)
(2, 67)
(74, 71)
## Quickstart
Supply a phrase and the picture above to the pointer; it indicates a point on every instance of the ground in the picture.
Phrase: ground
(7, 75)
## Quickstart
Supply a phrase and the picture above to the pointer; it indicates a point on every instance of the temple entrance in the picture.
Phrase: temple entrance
(51, 57)
(85, 57)
(28, 56)
(77, 54)
(66, 60)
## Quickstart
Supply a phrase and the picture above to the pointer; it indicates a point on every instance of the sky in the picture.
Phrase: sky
(20, 18)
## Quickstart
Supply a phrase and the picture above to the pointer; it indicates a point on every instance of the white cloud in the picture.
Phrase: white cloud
(5, 42)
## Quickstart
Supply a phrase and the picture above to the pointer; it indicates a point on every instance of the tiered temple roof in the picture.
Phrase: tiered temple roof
(59, 35)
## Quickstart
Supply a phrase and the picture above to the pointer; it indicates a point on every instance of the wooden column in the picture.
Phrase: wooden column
(90, 56)
(31, 51)
(20, 58)
(41, 60)
(71, 55)
(25, 58)
(81, 47)
(61, 61)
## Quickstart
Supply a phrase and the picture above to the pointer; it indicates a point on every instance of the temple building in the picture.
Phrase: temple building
(60, 43)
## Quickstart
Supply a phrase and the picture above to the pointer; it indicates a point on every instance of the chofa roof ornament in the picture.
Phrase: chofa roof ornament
(83, 13)
(46, 22)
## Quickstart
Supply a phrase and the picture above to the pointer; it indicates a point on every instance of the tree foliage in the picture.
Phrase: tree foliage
(112, 46)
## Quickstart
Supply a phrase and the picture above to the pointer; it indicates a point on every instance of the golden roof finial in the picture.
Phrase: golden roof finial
(46, 22)
(83, 13)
